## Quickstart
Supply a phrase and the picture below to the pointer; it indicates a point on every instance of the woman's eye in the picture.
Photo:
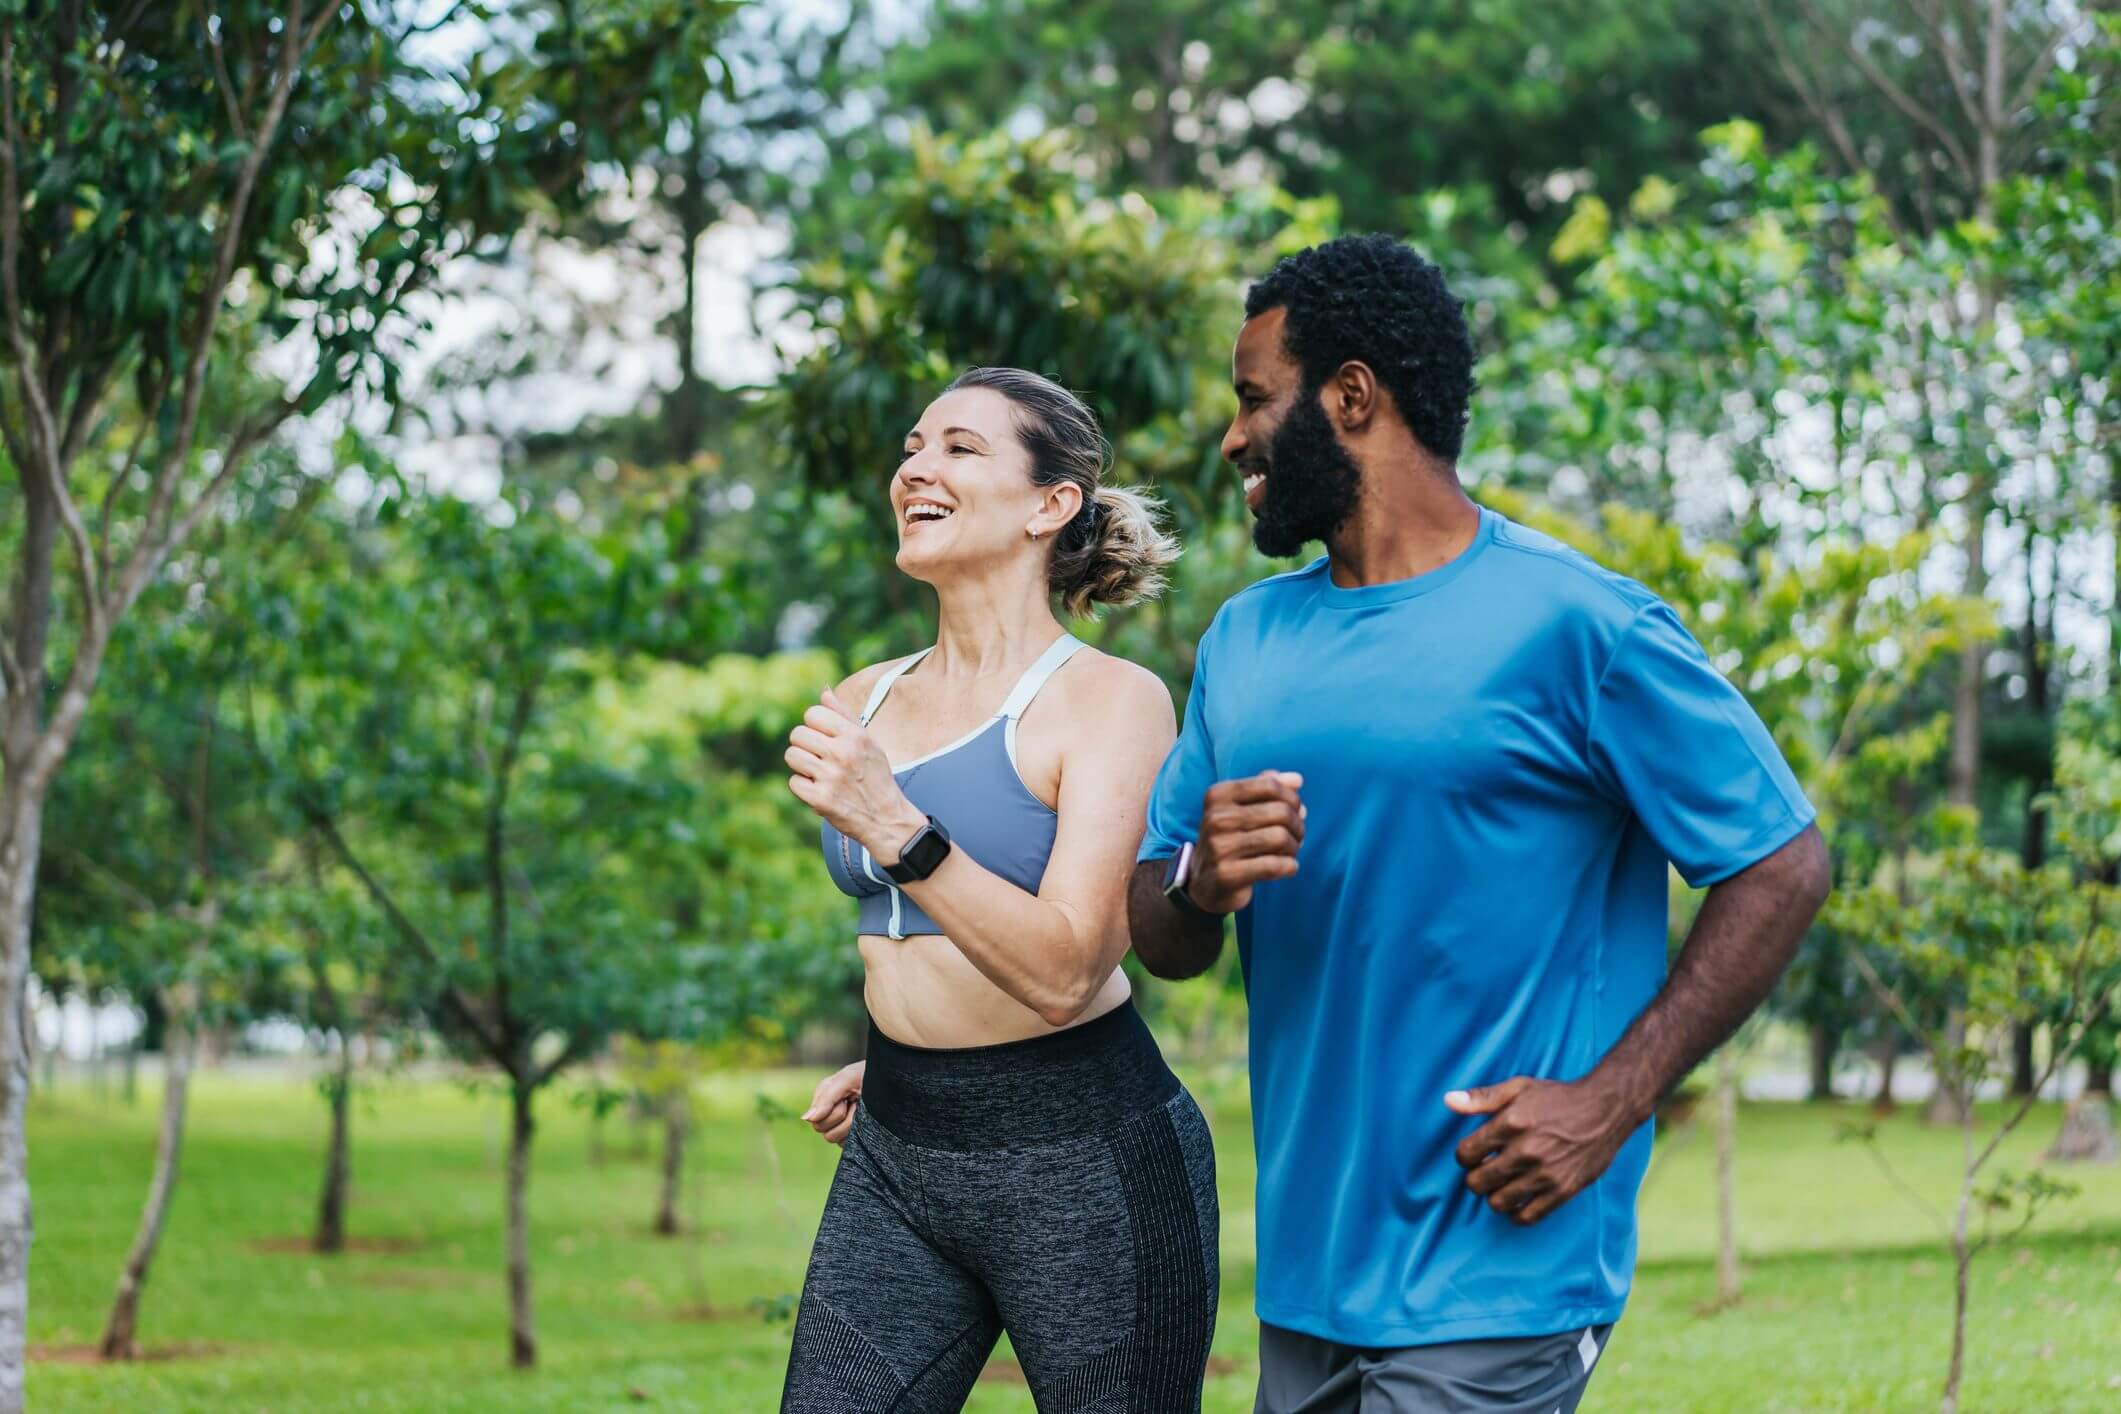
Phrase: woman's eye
(961, 451)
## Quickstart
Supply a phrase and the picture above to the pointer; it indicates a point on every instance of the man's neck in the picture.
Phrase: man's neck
(1413, 518)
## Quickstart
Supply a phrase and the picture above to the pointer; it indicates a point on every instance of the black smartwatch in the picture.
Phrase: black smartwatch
(1179, 873)
(922, 855)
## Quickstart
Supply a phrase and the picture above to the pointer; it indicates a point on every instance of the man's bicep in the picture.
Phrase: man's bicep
(1678, 744)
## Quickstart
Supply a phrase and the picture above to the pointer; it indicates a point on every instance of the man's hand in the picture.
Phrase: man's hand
(1546, 1141)
(1250, 831)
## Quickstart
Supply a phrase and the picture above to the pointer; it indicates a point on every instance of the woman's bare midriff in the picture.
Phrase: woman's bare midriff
(922, 991)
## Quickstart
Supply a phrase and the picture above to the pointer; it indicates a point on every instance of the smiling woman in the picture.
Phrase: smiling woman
(983, 805)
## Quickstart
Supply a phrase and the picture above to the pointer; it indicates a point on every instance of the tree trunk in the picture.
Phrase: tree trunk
(118, 1332)
(98, 1070)
(1888, 1056)
(1160, 171)
(1825, 1045)
(685, 418)
(522, 1336)
(1949, 1105)
(1962, 1271)
(19, 849)
(2023, 1076)
(677, 1121)
(1727, 1275)
(2087, 1135)
(331, 1207)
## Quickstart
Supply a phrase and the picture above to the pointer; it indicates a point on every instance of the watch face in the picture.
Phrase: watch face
(927, 852)
(923, 854)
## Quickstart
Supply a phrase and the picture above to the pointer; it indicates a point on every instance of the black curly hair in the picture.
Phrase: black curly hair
(1375, 300)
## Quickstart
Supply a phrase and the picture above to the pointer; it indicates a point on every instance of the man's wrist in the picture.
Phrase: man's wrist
(1624, 1092)
(1192, 907)
(1179, 878)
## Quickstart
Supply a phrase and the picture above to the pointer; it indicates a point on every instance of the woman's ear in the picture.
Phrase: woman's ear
(1058, 507)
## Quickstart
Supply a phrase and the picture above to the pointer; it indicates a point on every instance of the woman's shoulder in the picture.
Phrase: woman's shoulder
(1101, 687)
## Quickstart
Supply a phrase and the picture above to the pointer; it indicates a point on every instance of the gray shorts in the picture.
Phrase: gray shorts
(1543, 1374)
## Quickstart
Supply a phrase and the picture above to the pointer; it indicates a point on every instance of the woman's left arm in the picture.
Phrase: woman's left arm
(1053, 952)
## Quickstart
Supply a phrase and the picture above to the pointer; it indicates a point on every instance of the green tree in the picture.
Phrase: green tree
(178, 183)
(1971, 935)
(428, 718)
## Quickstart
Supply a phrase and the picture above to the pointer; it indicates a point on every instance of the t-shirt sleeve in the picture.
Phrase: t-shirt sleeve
(1183, 781)
(1673, 740)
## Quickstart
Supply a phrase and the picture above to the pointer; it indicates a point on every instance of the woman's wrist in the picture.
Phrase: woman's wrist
(893, 834)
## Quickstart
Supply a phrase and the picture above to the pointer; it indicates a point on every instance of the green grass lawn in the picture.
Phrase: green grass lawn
(1848, 1286)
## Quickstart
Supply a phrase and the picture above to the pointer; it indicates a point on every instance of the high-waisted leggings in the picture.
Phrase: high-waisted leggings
(1060, 1188)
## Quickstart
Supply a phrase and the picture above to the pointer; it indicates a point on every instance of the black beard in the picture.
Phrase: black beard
(1312, 484)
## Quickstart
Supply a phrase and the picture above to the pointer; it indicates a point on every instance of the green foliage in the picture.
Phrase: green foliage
(995, 252)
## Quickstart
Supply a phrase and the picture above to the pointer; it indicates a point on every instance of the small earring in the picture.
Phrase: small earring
(1030, 532)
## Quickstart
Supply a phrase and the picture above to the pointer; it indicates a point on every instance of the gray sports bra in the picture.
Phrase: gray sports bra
(972, 786)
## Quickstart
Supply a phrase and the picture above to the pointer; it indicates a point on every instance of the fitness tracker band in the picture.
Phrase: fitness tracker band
(1179, 873)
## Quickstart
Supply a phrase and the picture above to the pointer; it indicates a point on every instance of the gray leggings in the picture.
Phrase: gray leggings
(1061, 1189)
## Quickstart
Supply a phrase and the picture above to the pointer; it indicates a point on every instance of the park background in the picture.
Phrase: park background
(447, 446)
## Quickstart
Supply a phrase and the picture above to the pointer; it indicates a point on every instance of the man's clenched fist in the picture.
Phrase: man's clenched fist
(1250, 830)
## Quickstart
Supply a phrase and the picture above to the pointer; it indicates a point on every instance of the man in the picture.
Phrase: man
(1437, 776)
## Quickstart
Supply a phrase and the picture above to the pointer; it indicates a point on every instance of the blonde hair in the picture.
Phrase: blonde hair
(1114, 551)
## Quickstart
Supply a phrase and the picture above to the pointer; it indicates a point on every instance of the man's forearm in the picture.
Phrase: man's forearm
(1745, 935)
(1171, 942)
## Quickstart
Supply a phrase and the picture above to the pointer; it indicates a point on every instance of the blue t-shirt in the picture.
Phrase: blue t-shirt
(1499, 758)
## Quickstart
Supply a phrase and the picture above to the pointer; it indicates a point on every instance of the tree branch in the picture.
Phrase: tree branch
(125, 472)
(2062, 1054)
(2038, 69)
(212, 25)
(46, 445)
(569, 1054)
(1907, 1190)
(82, 415)
(1894, 94)
(1953, 55)
(1827, 114)
(152, 541)
(321, 820)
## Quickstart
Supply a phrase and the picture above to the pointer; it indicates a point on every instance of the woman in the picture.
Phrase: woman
(1016, 1155)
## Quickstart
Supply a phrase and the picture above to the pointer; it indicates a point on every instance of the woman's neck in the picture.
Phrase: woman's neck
(985, 628)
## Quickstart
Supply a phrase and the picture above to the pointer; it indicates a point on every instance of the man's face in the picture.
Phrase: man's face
(1300, 483)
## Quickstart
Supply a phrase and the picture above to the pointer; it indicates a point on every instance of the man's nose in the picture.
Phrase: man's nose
(1234, 443)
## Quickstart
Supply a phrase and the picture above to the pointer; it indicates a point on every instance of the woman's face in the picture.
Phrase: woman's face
(962, 494)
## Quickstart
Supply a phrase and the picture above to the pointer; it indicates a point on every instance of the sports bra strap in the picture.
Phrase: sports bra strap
(883, 684)
(1035, 676)
(1019, 697)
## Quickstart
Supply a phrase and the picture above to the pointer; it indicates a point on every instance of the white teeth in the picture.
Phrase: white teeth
(1252, 482)
(924, 511)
